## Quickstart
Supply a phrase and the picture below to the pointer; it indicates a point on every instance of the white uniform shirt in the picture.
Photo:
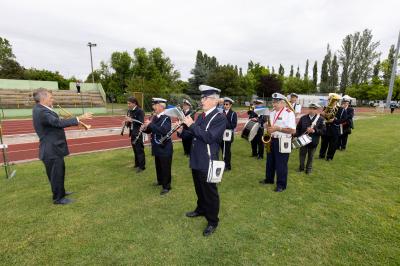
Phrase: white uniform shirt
(286, 119)
(297, 108)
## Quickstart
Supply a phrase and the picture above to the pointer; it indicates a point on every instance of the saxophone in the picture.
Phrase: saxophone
(331, 108)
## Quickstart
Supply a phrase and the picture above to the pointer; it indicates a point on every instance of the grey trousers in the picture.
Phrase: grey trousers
(302, 155)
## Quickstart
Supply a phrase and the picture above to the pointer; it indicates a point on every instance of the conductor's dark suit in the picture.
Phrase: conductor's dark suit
(53, 145)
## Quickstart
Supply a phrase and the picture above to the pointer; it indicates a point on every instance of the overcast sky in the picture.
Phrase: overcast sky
(53, 34)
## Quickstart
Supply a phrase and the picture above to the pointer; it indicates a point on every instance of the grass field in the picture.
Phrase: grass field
(346, 213)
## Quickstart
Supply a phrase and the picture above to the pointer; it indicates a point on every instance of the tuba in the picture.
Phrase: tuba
(331, 108)
(66, 115)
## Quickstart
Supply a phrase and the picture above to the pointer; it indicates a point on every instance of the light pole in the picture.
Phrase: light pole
(91, 57)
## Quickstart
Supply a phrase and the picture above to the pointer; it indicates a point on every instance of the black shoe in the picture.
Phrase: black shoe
(308, 171)
(138, 170)
(210, 229)
(254, 155)
(328, 159)
(135, 166)
(279, 189)
(264, 182)
(63, 201)
(300, 170)
(164, 191)
(67, 193)
(321, 157)
(228, 168)
(260, 158)
(193, 214)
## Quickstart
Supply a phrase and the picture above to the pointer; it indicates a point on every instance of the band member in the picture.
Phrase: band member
(293, 101)
(283, 125)
(134, 120)
(257, 146)
(159, 127)
(313, 125)
(330, 136)
(53, 145)
(187, 139)
(347, 125)
(392, 107)
(207, 134)
(231, 123)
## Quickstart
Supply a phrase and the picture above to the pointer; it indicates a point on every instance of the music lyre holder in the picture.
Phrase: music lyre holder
(10, 173)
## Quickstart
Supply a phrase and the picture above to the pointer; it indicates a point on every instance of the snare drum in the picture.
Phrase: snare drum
(250, 130)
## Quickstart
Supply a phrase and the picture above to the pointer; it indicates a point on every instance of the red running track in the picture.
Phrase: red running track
(30, 151)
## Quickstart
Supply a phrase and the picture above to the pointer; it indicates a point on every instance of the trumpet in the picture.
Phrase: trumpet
(68, 115)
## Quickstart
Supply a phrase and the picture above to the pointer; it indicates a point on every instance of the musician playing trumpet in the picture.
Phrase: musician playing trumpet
(133, 120)
(159, 127)
(282, 126)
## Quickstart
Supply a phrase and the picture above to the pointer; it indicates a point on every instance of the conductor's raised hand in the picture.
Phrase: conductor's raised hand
(85, 116)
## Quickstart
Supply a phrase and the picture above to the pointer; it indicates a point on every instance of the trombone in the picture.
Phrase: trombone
(68, 115)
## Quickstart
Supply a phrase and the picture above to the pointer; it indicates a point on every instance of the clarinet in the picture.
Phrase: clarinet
(174, 129)
(125, 124)
(141, 130)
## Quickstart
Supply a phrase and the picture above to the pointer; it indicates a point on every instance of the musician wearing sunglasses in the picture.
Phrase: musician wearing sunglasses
(281, 127)
(231, 123)
(53, 144)
(311, 124)
(134, 120)
(159, 126)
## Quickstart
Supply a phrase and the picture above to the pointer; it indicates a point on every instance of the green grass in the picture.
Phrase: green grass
(345, 213)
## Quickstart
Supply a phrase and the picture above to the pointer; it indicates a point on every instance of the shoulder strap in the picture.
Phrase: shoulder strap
(315, 121)
(208, 145)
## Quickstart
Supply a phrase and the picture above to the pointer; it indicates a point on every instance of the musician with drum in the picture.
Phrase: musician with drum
(257, 146)
(133, 120)
(282, 126)
(312, 126)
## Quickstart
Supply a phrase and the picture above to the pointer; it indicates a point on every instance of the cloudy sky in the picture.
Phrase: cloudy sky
(53, 34)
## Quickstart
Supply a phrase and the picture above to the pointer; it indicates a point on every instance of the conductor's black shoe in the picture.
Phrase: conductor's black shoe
(138, 170)
(193, 214)
(164, 191)
(264, 182)
(63, 201)
(279, 189)
(210, 229)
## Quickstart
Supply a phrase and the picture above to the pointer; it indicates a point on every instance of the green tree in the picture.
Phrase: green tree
(298, 73)
(306, 71)
(324, 85)
(9, 67)
(387, 66)
(315, 75)
(291, 71)
(334, 75)
(281, 70)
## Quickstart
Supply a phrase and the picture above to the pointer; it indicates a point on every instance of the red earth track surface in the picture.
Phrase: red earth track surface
(30, 151)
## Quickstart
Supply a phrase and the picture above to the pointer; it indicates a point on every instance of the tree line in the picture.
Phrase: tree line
(355, 68)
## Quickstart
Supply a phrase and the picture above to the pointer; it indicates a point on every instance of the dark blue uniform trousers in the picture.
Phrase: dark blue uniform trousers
(277, 162)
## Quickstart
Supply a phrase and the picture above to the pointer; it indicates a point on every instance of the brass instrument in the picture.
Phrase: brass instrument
(331, 108)
(266, 138)
(68, 115)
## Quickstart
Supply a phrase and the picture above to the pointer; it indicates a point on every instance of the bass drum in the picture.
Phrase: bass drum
(250, 130)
